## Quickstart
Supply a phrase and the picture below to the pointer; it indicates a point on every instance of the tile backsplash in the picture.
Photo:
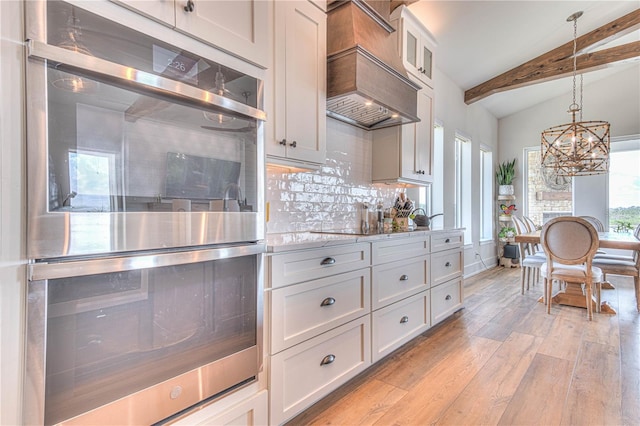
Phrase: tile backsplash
(331, 197)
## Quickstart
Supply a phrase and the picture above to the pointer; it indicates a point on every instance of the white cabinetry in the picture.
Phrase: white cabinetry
(405, 153)
(400, 292)
(447, 291)
(416, 44)
(319, 305)
(238, 27)
(251, 411)
(300, 62)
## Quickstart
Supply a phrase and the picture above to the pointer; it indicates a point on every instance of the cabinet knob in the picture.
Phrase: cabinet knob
(448, 264)
(404, 277)
(328, 359)
(293, 144)
(328, 261)
(448, 297)
(404, 319)
(328, 301)
(283, 142)
(190, 6)
(447, 240)
(421, 70)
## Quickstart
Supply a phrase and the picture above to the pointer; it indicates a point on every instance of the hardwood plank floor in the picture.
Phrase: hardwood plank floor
(503, 360)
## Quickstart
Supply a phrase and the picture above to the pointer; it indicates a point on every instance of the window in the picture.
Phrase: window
(547, 196)
(91, 179)
(486, 193)
(624, 185)
(463, 186)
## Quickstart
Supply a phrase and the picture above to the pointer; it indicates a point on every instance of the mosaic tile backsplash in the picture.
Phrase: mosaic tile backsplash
(331, 197)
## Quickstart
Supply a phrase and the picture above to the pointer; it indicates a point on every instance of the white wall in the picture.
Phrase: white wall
(12, 212)
(482, 127)
(615, 99)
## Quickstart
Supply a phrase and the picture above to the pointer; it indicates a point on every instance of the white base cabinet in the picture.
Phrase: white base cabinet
(400, 292)
(447, 263)
(333, 311)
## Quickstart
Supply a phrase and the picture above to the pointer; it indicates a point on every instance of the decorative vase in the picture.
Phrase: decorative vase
(505, 190)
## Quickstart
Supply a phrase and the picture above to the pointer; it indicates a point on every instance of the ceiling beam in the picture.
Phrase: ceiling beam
(558, 62)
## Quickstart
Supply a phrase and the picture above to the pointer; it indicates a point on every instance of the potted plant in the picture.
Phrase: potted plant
(507, 234)
(505, 175)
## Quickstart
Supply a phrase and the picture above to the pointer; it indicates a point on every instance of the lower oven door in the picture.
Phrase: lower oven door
(133, 340)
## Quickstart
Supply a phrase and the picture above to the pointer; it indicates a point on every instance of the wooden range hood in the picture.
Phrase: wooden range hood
(367, 85)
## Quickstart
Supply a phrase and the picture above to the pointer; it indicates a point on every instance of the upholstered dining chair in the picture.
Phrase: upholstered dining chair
(622, 265)
(532, 227)
(570, 244)
(530, 261)
(595, 222)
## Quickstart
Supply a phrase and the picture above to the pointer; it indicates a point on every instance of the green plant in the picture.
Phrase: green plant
(506, 172)
(507, 232)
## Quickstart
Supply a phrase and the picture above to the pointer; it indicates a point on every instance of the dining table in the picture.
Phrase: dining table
(572, 295)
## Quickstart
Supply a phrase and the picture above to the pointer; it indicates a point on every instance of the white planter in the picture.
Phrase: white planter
(505, 190)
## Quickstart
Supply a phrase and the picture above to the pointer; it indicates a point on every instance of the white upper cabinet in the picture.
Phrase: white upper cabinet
(416, 44)
(405, 153)
(300, 64)
(239, 27)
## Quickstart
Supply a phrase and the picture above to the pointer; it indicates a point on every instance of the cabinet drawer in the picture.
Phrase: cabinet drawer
(446, 241)
(300, 312)
(303, 265)
(249, 412)
(303, 374)
(446, 265)
(396, 249)
(397, 280)
(398, 323)
(446, 299)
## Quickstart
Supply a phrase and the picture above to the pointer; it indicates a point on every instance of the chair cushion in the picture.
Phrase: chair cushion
(534, 261)
(613, 257)
(617, 267)
(572, 273)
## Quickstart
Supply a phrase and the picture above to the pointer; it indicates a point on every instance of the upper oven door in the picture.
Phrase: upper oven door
(135, 144)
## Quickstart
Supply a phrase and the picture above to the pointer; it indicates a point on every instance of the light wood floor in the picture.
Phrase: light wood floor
(503, 360)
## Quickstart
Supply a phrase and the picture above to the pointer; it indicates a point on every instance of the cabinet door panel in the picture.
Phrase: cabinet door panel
(300, 80)
(239, 27)
(424, 135)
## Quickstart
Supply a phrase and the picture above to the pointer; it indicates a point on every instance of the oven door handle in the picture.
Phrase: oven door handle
(65, 269)
(121, 75)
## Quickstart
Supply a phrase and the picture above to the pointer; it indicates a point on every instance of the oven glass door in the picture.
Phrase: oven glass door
(123, 129)
(110, 335)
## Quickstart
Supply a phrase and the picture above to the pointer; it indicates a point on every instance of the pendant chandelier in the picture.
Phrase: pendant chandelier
(579, 148)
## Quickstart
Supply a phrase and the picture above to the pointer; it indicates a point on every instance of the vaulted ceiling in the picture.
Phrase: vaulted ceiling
(480, 40)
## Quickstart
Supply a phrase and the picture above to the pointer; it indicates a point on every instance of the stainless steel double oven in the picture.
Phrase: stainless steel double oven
(145, 223)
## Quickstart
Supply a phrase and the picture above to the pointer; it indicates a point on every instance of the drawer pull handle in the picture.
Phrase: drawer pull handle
(283, 142)
(404, 319)
(328, 301)
(404, 278)
(447, 240)
(448, 297)
(328, 261)
(293, 144)
(448, 264)
(190, 6)
(328, 359)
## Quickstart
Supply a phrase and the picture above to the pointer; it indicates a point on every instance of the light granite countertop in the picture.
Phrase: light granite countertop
(277, 243)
